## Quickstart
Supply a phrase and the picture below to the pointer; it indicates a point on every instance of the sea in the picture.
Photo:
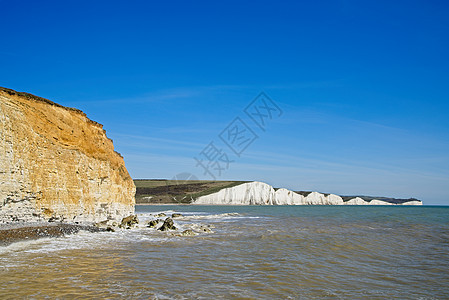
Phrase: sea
(243, 252)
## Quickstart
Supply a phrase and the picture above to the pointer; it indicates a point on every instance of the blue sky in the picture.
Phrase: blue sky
(363, 86)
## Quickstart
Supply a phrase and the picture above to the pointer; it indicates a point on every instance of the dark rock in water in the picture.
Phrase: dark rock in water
(160, 215)
(206, 229)
(168, 225)
(175, 215)
(110, 229)
(188, 232)
(153, 223)
(129, 222)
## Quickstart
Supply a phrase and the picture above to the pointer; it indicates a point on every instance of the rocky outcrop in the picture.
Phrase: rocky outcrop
(168, 225)
(153, 223)
(56, 163)
(259, 193)
(129, 222)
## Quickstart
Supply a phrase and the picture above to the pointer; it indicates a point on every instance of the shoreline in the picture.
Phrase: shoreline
(13, 233)
(291, 205)
(160, 204)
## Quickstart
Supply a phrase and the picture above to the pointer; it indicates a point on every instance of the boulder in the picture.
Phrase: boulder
(188, 232)
(53, 219)
(168, 225)
(129, 222)
(103, 224)
(108, 225)
(206, 229)
(176, 215)
(152, 223)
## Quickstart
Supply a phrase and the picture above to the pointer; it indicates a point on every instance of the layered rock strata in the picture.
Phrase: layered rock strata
(56, 164)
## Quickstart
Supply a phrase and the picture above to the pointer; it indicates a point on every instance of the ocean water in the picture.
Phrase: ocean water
(254, 252)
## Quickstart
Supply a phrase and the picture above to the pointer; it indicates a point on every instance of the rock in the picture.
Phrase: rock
(168, 225)
(176, 215)
(206, 229)
(102, 224)
(160, 215)
(129, 222)
(56, 161)
(108, 225)
(188, 232)
(53, 219)
(152, 223)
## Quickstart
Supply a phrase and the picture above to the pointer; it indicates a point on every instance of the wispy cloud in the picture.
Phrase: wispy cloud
(307, 85)
(323, 163)
(157, 140)
(176, 93)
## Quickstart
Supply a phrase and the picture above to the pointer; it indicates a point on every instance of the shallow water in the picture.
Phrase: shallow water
(296, 252)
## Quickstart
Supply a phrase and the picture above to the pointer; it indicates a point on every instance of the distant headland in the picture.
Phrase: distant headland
(160, 191)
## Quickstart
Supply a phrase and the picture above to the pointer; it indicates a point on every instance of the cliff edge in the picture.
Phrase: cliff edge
(57, 164)
(259, 193)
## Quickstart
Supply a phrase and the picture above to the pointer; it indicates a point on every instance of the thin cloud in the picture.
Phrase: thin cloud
(159, 140)
(167, 94)
(307, 85)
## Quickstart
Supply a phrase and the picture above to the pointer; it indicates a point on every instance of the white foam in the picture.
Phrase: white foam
(22, 245)
(212, 217)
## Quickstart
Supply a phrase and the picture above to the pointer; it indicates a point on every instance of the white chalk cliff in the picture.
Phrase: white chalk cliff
(259, 193)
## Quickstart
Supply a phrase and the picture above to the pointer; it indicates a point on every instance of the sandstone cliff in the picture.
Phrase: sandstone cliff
(259, 193)
(56, 163)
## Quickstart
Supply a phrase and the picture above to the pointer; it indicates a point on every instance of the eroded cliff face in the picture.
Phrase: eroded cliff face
(56, 163)
(259, 193)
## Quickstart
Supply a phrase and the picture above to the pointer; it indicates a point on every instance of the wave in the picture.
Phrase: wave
(211, 217)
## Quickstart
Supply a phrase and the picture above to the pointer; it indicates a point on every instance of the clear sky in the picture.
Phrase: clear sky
(363, 87)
